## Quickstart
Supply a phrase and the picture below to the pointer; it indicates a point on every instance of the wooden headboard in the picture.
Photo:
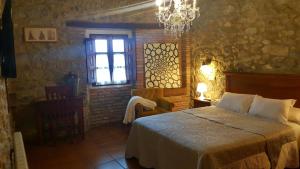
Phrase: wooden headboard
(276, 86)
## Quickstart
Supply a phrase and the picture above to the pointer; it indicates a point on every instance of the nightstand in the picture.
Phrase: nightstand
(201, 103)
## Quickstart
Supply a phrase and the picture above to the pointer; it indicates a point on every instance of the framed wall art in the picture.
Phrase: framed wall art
(40, 34)
(162, 65)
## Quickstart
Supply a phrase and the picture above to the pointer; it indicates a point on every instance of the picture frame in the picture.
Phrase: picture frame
(40, 34)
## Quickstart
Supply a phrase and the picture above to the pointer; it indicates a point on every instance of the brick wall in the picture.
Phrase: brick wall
(147, 36)
(108, 104)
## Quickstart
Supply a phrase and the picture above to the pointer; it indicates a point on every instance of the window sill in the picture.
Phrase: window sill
(109, 86)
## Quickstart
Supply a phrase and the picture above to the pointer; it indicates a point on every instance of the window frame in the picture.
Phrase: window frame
(110, 54)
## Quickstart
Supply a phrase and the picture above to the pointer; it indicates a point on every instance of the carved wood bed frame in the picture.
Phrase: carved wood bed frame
(277, 86)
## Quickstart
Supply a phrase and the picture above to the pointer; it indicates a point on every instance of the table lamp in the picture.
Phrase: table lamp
(201, 88)
(207, 69)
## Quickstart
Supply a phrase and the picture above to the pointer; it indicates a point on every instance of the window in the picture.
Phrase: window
(108, 60)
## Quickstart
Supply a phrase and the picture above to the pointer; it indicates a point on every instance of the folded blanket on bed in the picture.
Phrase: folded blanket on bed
(130, 110)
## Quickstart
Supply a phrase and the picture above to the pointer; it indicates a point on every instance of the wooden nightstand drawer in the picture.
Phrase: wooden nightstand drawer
(201, 103)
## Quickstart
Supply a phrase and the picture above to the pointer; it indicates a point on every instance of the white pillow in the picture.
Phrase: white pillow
(236, 102)
(273, 109)
(294, 115)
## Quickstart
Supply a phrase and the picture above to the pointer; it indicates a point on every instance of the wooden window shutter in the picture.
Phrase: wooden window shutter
(130, 49)
(90, 60)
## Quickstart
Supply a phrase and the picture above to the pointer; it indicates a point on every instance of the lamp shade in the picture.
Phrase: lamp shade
(208, 71)
(202, 87)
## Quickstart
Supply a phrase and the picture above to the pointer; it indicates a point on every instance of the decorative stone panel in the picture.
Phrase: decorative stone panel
(162, 65)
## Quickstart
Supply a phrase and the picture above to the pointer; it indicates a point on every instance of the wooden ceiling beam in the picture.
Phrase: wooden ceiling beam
(84, 24)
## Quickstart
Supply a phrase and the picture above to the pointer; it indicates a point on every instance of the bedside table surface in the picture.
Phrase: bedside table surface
(206, 100)
(201, 103)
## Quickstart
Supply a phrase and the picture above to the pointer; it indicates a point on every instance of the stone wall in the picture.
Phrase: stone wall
(5, 122)
(5, 129)
(44, 64)
(1, 6)
(240, 35)
(246, 36)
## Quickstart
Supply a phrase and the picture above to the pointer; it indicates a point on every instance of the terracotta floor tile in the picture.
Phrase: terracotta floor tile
(98, 160)
(116, 151)
(110, 165)
(122, 162)
(130, 163)
(102, 148)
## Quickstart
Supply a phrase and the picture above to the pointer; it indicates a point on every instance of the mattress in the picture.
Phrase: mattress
(210, 138)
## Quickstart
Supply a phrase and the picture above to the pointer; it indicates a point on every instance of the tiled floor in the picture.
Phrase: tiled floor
(103, 148)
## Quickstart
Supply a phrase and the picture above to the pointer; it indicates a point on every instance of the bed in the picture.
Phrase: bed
(212, 137)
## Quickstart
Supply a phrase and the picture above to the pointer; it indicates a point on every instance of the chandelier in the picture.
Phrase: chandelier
(177, 15)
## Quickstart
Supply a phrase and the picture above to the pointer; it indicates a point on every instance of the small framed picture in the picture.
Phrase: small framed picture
(40, 34)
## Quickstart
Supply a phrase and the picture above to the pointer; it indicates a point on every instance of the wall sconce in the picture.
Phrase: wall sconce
(207, 69)
(201, 88)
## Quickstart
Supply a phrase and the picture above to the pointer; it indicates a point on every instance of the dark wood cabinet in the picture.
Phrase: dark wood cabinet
(56, 117)
(201, 103)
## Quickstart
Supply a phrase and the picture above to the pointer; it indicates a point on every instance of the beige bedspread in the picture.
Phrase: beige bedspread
(211, 138)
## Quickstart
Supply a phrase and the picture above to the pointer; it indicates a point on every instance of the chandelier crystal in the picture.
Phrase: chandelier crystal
(177, 15)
